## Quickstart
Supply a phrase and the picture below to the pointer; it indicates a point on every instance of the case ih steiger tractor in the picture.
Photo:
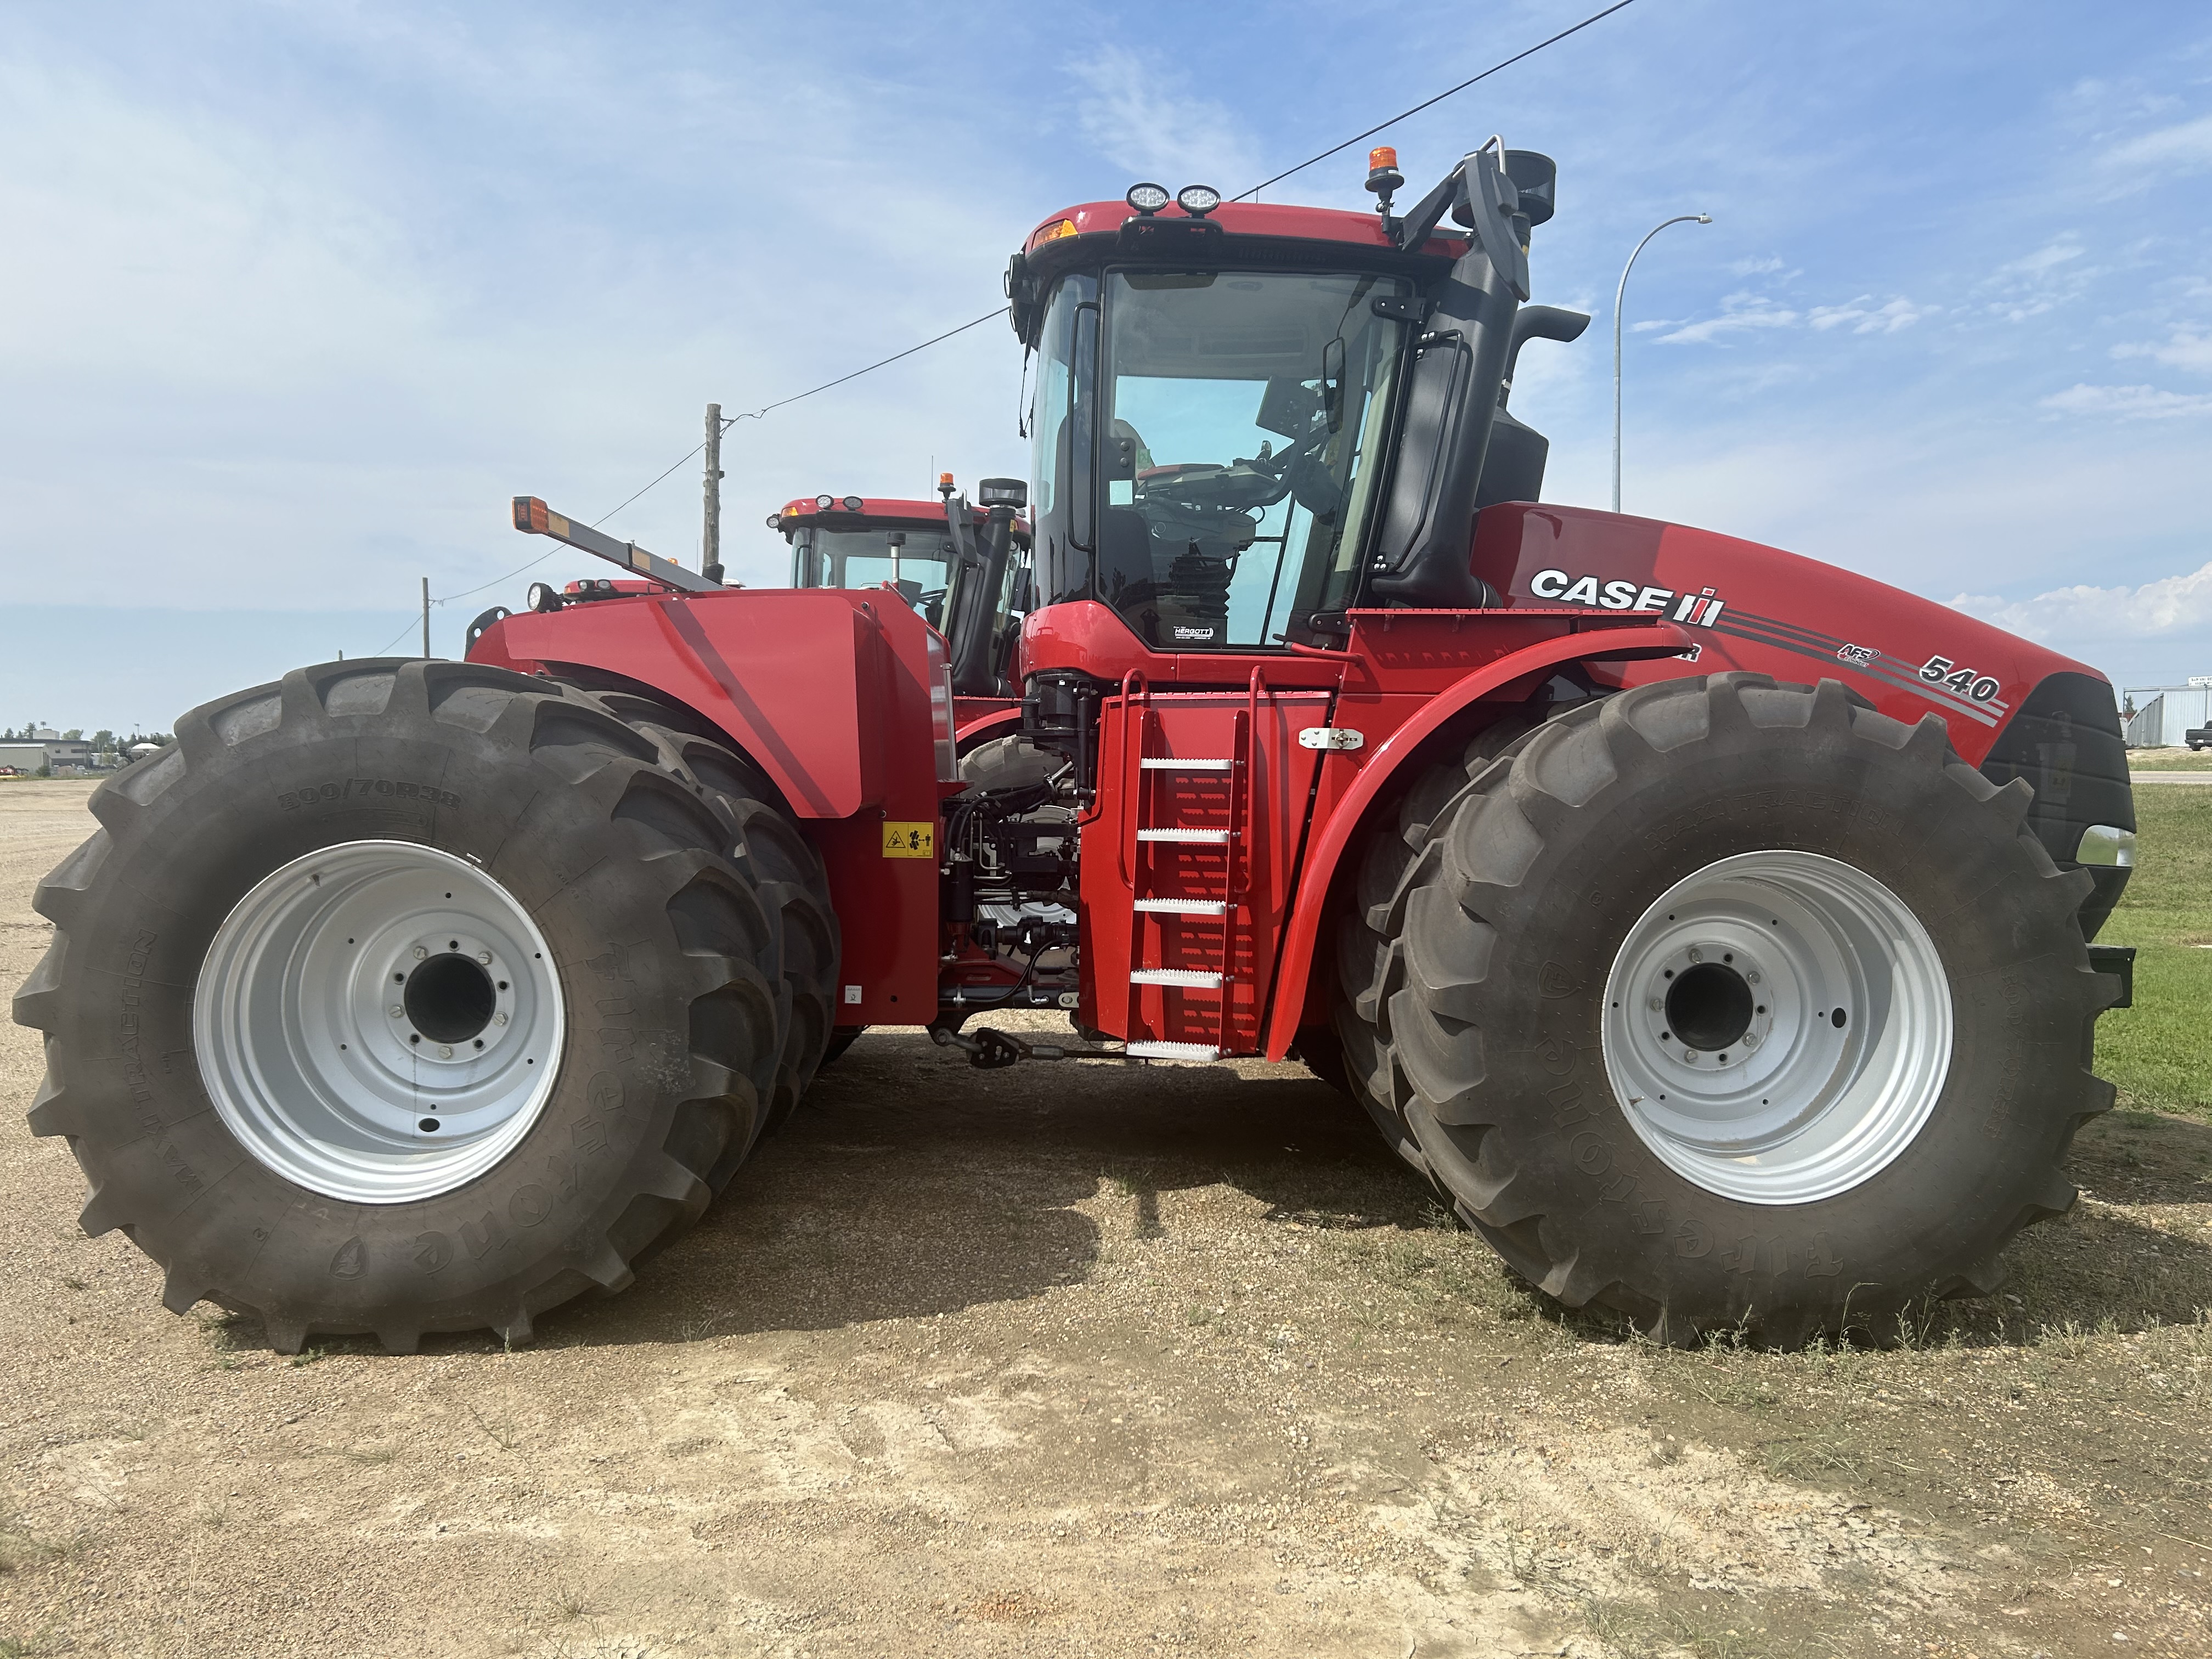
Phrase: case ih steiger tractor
(1709, 925)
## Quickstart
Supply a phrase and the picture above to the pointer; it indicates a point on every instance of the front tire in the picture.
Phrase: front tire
(1827, 1172)
(355, 1193)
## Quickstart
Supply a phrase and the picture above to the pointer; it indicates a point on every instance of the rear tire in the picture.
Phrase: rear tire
(660, 960)
(787, 872)
(1365, 957)
(1518, 954)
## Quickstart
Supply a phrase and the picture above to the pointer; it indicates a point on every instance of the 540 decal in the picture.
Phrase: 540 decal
(1966, 681)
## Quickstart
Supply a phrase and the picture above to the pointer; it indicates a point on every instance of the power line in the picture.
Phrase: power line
(884, 362)
(977, 322)
(1594, 17)
(755, 414)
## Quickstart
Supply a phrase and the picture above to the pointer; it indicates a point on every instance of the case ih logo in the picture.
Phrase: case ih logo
(1701, 609)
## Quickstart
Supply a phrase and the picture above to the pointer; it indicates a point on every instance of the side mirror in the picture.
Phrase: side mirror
(1538, 322)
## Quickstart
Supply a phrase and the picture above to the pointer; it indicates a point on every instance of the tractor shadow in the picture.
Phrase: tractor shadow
(911, 1184)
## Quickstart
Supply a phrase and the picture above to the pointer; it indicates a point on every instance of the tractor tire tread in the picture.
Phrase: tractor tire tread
(584, 745)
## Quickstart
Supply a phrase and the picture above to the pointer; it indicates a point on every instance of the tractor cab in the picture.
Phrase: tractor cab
(1249, 418)
(856, 541)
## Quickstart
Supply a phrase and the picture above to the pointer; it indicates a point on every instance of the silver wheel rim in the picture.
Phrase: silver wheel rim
(379, 1021)
(1818, 1027)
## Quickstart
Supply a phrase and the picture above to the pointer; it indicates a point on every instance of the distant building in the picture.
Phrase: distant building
(49, 750)
(2164, 712)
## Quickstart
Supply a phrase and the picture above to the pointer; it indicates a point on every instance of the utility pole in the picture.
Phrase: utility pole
(710, 545)
(426, 618)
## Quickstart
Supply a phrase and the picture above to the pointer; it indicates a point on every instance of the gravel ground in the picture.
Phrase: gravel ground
(1080, 1360)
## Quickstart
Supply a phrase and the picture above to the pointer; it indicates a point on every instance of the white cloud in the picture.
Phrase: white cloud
(1863, 317)
(1756, 267)
(1149, 123)
(2171, 605)
(2046, 258)
(2186, 147)
(2126, 403)
(2186, 347)
(2040, 280)
(1741, 312)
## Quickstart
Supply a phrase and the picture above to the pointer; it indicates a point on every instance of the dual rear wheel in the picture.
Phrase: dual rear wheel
(407, 996)
(1721, 1003)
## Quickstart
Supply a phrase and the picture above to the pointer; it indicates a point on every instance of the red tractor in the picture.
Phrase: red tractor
(1711, 926)
(854, 541)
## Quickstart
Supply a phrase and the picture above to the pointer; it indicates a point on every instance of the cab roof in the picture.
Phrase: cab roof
(1309, 224)
(885, 509)
(890, 512)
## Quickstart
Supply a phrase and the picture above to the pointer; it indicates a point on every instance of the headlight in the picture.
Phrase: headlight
(2107, 844)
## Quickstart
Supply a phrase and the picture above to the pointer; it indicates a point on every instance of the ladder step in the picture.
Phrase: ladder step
(1196, 976)
(1169, 1051)
(1207, 837)
(1175, 763)
(1183, 907)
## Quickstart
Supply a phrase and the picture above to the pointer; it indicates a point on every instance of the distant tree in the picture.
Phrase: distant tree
(103, 739)
(74, 734)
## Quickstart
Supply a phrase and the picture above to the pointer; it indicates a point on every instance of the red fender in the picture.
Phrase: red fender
(999, 723)
(1327, 849)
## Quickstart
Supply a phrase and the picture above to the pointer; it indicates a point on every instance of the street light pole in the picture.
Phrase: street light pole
(1621, 294)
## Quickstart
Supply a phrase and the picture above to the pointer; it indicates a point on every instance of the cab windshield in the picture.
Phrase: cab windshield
(915, 562)
(1240, 422)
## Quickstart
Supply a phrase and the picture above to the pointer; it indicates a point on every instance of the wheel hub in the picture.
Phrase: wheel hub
(379, 1021)
(1777, 1027)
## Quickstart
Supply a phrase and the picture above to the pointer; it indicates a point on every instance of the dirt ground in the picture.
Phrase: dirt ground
(1089, 1361)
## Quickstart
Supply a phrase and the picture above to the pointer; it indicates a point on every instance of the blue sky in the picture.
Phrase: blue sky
(295, 296)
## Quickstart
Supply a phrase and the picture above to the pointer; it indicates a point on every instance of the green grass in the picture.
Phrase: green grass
(2170, 760)
(2160, 1051)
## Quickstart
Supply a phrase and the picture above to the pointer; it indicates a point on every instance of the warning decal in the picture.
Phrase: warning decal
(910, 840)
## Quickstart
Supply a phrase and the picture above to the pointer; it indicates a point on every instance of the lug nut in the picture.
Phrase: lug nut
(498, 1019)
(398, 1012)
(419, 953)
(444, 1052)
(1696, 955)
(484, 957)
(1657, 1003)
(1751, 977)
(1690, 1054)
(1751, 1039)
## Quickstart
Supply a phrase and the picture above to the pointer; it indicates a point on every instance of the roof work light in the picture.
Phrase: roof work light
(1198, 200)
(1148, 199)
